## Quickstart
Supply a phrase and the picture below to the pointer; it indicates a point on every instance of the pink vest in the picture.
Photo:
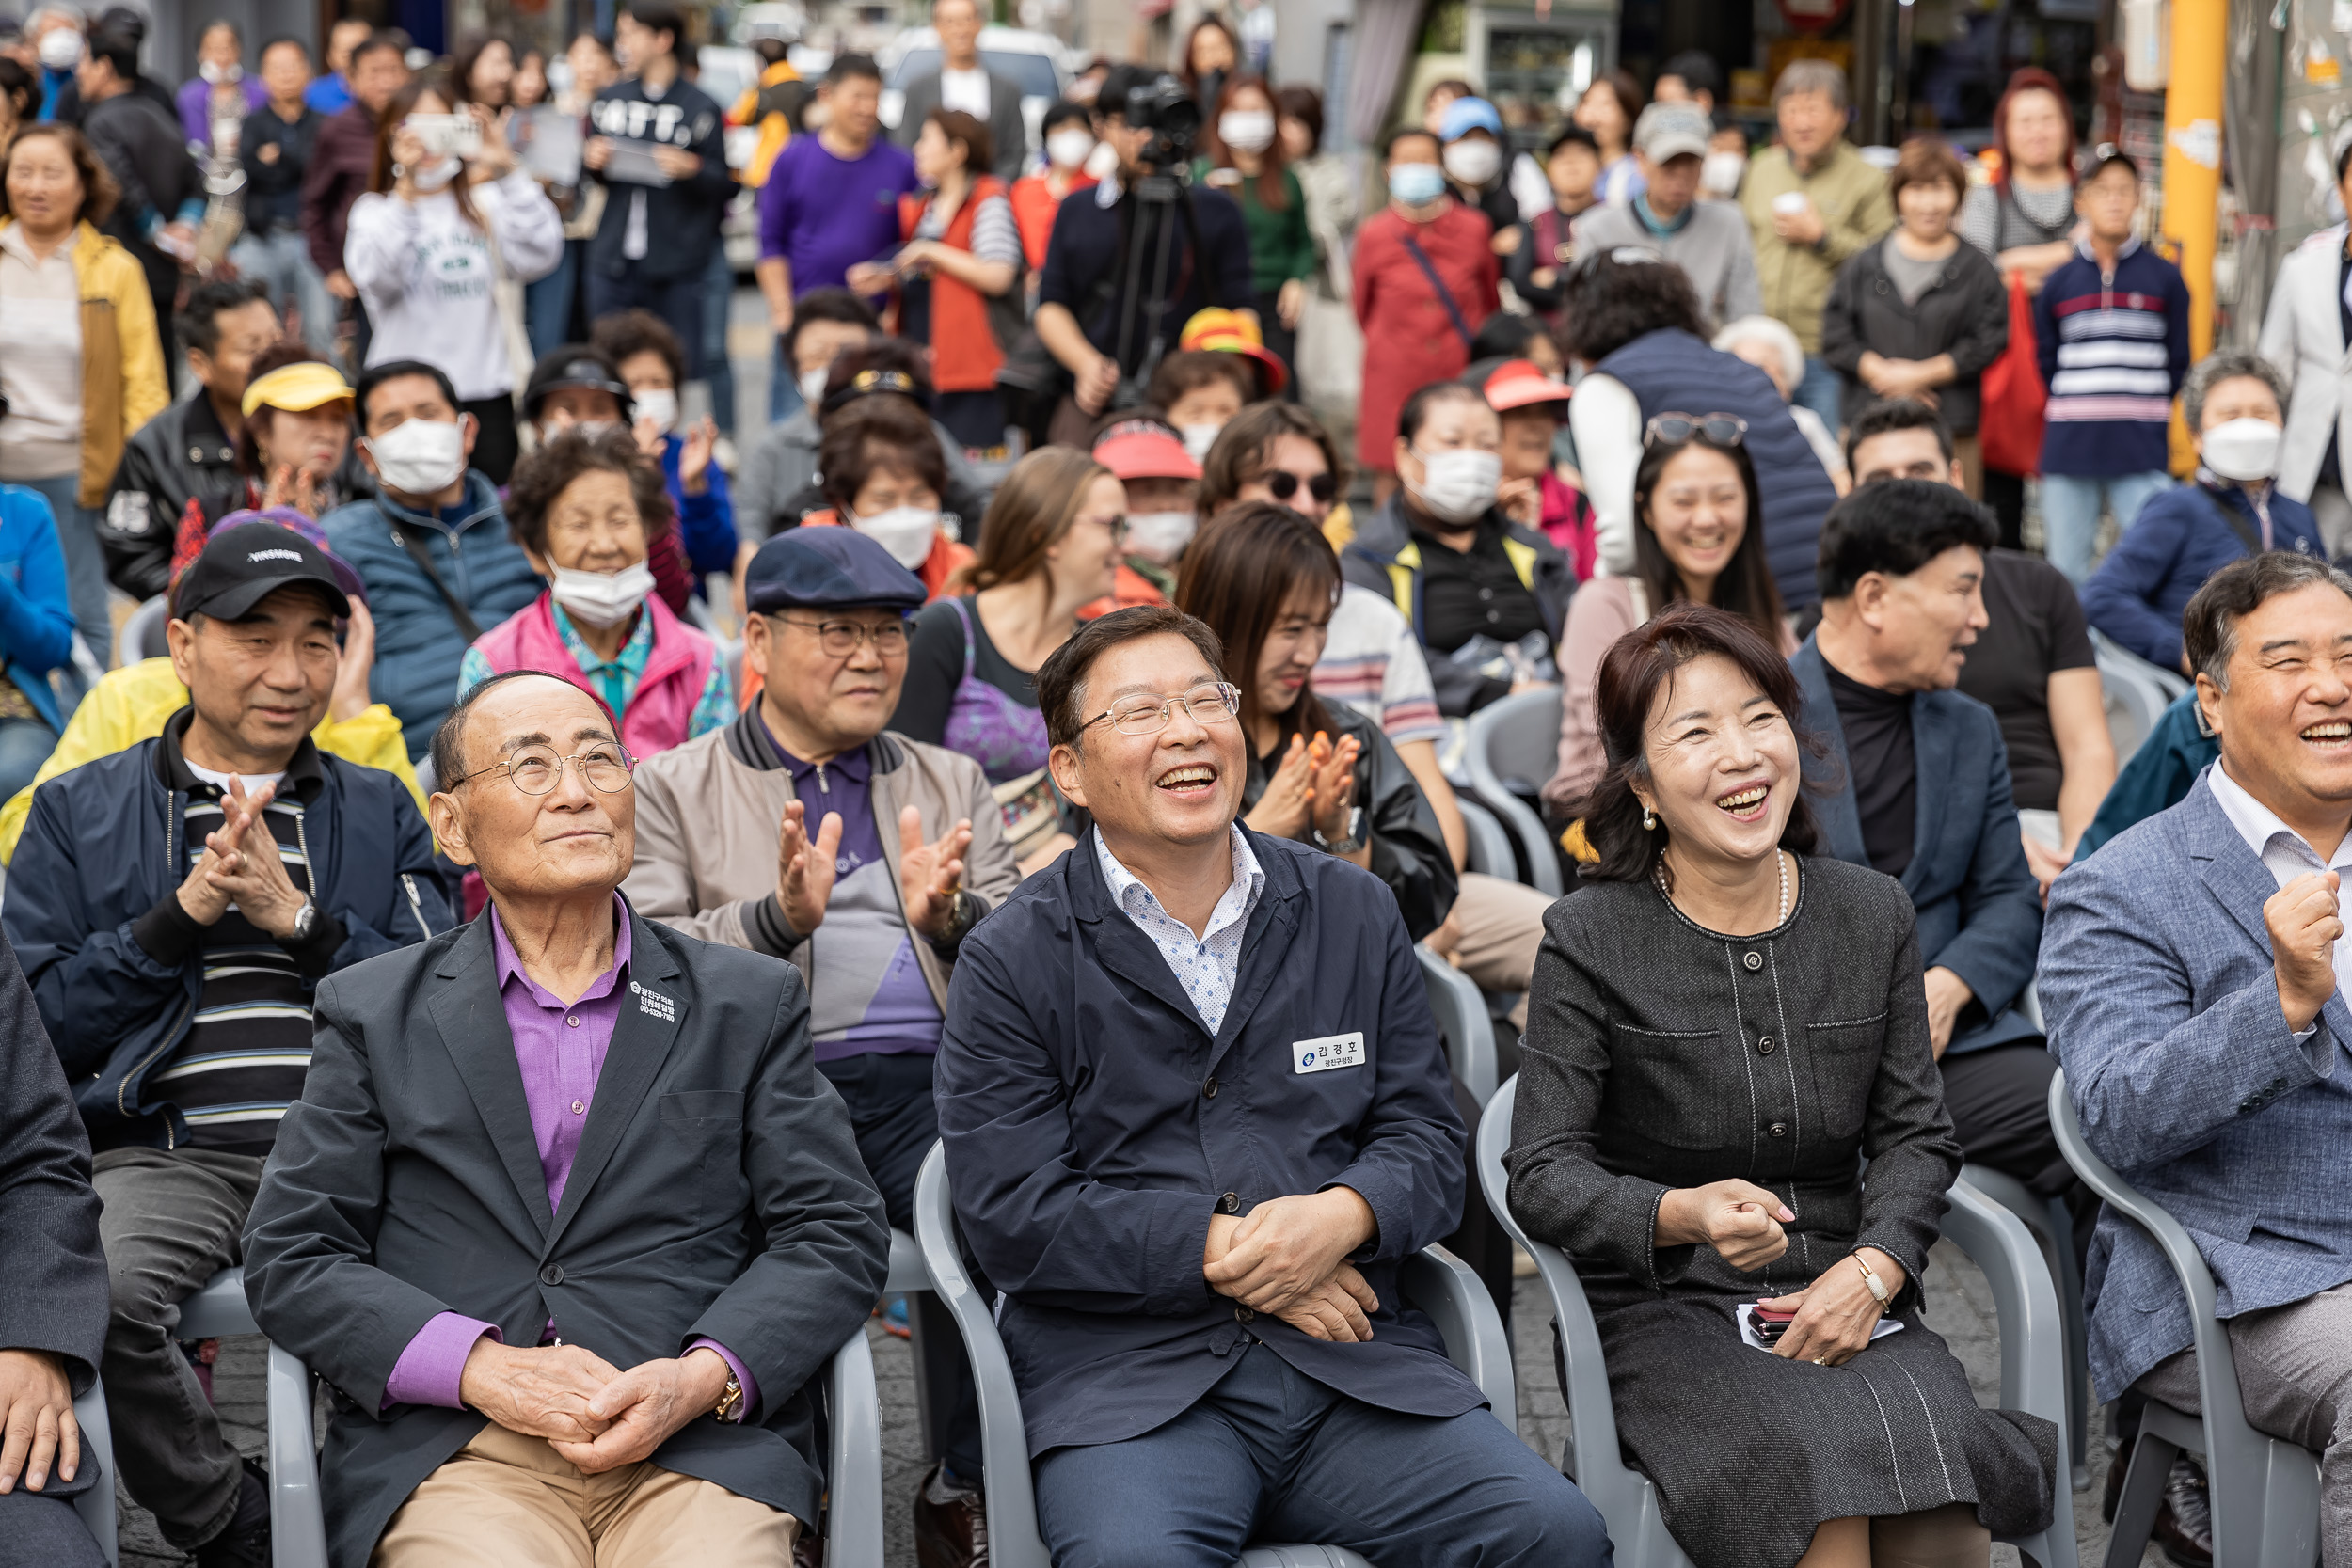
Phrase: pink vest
(662, 704)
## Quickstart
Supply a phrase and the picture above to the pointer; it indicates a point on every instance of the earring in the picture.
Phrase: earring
(1649, 820)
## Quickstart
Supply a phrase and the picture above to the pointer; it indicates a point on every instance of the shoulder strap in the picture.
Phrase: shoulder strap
(406, 534)
(1445, 295)
(2239, 526)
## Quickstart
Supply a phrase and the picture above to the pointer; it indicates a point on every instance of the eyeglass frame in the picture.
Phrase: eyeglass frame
(1330, 480)
(864, 633)
(1652, 434)
(1227, 690)
(507, 767)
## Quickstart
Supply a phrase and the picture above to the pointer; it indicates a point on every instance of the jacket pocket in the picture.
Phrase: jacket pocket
(703, 1148)
(1686, 1089)
(702, 1108)
(1843, 1060)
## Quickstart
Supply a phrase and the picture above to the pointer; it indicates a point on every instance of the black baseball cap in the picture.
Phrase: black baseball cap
(572, 365)
(241, 566)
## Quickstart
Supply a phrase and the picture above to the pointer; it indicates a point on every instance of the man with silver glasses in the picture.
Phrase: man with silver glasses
(805, 832)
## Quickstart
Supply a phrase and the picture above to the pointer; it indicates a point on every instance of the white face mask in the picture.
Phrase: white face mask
(813, 386)
(1473, 163)
(1103, 161)
(2243, 450)
(61, 49)
(603, 599)
(592, 428)
(216, 73)
(1068, 148)
(906, 531)
(437, 174)
(1720, 174)
(658, 403)
(1198, 439)
(422, 457)
(1160, 537)
(1246, 129)
(1457, 487)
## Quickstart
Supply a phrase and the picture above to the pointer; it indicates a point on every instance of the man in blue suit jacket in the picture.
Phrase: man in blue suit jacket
(1915, 784)
(2193, 977)
(1194, 1114)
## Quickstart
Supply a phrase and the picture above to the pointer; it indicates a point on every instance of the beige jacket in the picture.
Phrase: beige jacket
(709, 813)
(1856, 212)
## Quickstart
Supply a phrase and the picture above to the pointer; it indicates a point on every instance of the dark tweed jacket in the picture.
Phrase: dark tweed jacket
(1660, 1056)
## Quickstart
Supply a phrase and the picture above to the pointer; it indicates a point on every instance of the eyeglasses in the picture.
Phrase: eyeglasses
(1286, 484)
(606, 768)
(1723, 429)
(840, 639)
(1208, 705)
(1116, 523)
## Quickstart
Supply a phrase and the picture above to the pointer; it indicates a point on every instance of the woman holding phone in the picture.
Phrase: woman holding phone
(449, 216)
(1719, 1027)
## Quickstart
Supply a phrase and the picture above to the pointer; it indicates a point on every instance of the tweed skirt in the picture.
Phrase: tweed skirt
(1751, 1451)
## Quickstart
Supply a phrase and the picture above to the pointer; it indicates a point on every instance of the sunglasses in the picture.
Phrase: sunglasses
(1286, 484)
(1722, 430)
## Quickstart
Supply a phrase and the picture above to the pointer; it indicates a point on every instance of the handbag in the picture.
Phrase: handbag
(2009, 430)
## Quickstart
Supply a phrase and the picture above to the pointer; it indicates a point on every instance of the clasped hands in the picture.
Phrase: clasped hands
(1288, 1257)
(1742, 1222)
(591, 1413)
(254, 880)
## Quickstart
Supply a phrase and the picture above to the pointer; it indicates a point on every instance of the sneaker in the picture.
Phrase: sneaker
(894, 1319)
(246, 1543)
(950, 1522)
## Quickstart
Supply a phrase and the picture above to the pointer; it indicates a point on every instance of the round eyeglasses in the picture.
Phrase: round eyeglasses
(605, 767)
(1208, 705)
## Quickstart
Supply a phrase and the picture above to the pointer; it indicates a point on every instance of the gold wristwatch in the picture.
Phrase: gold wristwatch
(730, 1405)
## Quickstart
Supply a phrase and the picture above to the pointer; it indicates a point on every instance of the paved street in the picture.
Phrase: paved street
(1958, 1307)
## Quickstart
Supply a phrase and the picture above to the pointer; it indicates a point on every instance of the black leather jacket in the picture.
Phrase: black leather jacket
(179, 454)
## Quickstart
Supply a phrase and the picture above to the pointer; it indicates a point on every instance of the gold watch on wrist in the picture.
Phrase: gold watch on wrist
(730, 1405)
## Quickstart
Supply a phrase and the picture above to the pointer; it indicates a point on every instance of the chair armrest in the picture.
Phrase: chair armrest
(2033, 1334)
(906, 1266)
(1455, 1299)
(95, 1504)
(297, 1517)
(1489, 844)
(1012, 1538)
(219, 1310)
(1463, 1020)
(853, 1482)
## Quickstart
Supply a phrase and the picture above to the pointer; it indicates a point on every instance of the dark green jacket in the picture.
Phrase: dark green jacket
(1282, 246)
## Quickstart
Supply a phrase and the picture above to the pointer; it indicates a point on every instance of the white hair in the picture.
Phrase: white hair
(1775, 333)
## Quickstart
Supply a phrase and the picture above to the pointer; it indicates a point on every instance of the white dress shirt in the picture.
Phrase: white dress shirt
(966, 91)
(1208, 965)
(2284, 855)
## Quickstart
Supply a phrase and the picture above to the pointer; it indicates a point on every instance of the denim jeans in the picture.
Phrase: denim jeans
(282, 260)
(85, 562)
(2071, 504)
(718, 303)
(547, 303)
(24, 745)
(784, 387)
(678, 302)
(1823, 390)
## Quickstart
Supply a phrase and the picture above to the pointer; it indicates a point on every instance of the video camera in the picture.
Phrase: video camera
(1165, 109)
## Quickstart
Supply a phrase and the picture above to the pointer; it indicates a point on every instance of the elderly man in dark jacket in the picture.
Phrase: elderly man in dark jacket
(1195, 1114)
(173, 922)
(53, 1293)
(565, 1186)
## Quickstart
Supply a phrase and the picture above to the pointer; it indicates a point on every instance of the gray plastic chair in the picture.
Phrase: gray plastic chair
(1434, 1280)
(1489, 844)
(1463, 1023)
(2171, 682)
(2032, 1359)
(1514, 745)
(95, 1504)
(2264, 1493)
(142, 634)
(2134, 702)
(2053, 1225)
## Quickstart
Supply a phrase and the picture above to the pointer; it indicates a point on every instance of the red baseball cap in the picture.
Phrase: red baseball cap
(1144, 448)
(1517, 384)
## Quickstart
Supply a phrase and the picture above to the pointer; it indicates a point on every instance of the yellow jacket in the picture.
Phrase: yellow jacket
(130, 705)
(759, 107)
(124, 383)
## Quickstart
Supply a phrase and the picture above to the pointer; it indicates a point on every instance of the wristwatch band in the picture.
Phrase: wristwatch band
(1353, 842)
(730, 1400)
(306, 921)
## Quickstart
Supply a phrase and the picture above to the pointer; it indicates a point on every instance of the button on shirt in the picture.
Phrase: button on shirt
(2284, 855)
(1206, 966)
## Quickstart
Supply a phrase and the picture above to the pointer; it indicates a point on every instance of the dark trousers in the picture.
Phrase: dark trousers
(497, 445)
(171, 1220)
(1280, 340)
(895, 1122)
(678, 302)
(2000, 1104)
(2005, 494)
(41, 1529)
(1269, 1453)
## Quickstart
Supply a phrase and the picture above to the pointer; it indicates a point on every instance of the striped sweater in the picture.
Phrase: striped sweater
(2114, 350)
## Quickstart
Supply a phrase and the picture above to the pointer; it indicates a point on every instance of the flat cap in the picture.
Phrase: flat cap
(827, 568)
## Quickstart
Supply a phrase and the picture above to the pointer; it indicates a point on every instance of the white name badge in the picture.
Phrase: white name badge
(1331, 1051)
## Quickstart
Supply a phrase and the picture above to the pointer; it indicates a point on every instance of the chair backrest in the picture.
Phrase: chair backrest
(142, 635)
(2135, 704)
(95, 1505)
(1511, 747)
(1463, 1023)
(1489, 844)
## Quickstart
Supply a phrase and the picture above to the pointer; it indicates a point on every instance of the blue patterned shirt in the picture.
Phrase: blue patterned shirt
(1206, 966)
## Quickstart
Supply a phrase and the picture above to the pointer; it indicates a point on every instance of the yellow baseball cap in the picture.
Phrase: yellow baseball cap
(298, 387)
(1221, 331)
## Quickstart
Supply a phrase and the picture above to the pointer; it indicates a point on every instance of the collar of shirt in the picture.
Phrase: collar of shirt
(856, 764)
(302, 779)
(1662, 227)
(2082, 248)
(511, 965)
(2264, 834)
(1207, 966)
(12, 241)
(617, 676)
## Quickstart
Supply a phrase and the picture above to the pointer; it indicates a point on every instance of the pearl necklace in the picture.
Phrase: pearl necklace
(1780, 863)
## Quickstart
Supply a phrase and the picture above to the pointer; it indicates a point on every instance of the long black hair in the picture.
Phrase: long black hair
(1745, 588)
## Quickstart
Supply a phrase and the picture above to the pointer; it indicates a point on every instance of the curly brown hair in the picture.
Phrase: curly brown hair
(878, 434)
(540, 479)
(99, 191)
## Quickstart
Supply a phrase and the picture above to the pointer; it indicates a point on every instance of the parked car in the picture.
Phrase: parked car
(1036, 60)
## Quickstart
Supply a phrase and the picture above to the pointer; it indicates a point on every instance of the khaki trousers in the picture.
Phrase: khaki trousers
(507, 1500)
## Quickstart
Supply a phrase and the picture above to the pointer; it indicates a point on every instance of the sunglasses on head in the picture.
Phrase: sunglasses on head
(1723, 429)
(1286, 484)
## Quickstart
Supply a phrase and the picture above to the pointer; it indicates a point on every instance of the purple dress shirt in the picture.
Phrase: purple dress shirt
(559, 1050)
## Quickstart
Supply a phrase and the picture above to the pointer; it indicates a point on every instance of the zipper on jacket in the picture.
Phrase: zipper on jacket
(822, 787)
(416, 905)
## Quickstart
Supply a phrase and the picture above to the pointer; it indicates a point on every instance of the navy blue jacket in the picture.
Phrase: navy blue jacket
(1671, 371)
(2113, 349)
(2180, 537)
(1980, 912)
(105, 845)
(1093, 1126)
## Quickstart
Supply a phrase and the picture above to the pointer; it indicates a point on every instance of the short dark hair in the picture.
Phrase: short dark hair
(1605, 303)
(393, 369)
(853, 65)
(1889, 415)
(118, 50)
(1636, 666)
(200, 319)
(1059, 112)
(284, 40)
(1698, 71)
(542, 477)
(1505, 334)
(1239, 453)
(878, 434)
(447, 751)
(1424, 400)
(1121, 80)
(17, 90)
(1896, 528)
(1061, 680)
(828, 305)
(1189, 369)
(626, 334)
(396, 42)
(1390, 143)
(2209, 621)
(880, 354)
(658, 18)
(1571, 135)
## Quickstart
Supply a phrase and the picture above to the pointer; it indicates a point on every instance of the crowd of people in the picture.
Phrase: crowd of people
(997, 743)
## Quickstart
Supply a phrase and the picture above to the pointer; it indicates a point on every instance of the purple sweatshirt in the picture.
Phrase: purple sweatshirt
(195, 116)
(823, 215)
